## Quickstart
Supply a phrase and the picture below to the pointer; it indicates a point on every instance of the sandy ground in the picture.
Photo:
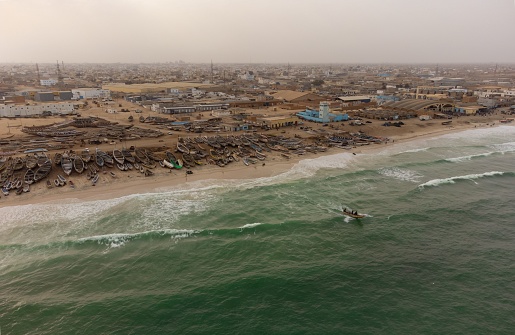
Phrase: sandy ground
(132, 182)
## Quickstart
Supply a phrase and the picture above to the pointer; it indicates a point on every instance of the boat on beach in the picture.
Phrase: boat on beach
(43, 171)
(118, 156)
(66, 164)
(127, 155)
(85, 155)
(29, 176)
(78, 164)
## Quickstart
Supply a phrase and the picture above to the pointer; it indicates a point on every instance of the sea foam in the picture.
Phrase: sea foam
(251, 225)
(452, 180)
(401, 174)
(119, 240)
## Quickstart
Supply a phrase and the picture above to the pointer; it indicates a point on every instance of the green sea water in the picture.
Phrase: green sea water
(435, 254)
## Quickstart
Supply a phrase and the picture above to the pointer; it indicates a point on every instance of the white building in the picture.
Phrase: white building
(248, 75)
(48, 82)
(90, 93)
(12, 110)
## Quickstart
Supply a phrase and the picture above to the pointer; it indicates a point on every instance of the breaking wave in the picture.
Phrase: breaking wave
(452, 180)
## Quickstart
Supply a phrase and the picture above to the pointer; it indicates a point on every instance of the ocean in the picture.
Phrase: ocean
(435, 253)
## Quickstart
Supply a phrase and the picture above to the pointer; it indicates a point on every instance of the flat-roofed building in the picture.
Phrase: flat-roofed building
(90, 93)
(278, 121)
(61, 108)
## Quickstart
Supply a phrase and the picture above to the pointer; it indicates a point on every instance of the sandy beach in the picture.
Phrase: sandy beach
(131, 182)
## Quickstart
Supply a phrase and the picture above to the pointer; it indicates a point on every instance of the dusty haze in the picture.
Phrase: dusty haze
(265, 31)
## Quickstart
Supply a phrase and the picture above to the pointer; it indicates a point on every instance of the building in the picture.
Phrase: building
(354, 100)
(469, 109)
(48, 82)
(248, 75)
(167, 108)
(420, 106)
(90, 93)
(381, 99)
(177, 110)
(53, 96)
(61, 108)
(278, 121)
(296, 97)
(322, 115)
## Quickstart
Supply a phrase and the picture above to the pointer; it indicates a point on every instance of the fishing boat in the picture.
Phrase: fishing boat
(245, 161)
(148, 165)
(85, 155)
(48, 184)
(141, 156)
(95, 179)
(121, 166)
(61, 180)
(171, 158)
(188, 159)
(42, 158)
(57, 158)
(106, 158)
(182, 148)
(112, 174)
(18, 164)
(66, 164)
(118, 156)
(127, 155)
(57, 183)
(26, 188)
(31, 161)
(99, 160)
(72, 185)
(5, 191)
(78, 164)
(352, 215)
(28, 178)
(19, 191)
(43, 171)
(167, 164)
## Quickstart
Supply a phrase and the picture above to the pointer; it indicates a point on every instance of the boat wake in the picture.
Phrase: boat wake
(452, 180)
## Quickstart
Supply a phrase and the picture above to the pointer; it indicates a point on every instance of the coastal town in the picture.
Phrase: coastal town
(83, 125)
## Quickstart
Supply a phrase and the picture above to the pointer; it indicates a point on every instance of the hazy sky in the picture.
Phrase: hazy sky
(271, 31)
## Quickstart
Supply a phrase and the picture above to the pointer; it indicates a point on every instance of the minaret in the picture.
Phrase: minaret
(324, 111)
(39, 76)
(59, 76)
(212, 81)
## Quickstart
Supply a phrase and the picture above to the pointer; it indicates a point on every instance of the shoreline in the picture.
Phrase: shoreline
(126, 185)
